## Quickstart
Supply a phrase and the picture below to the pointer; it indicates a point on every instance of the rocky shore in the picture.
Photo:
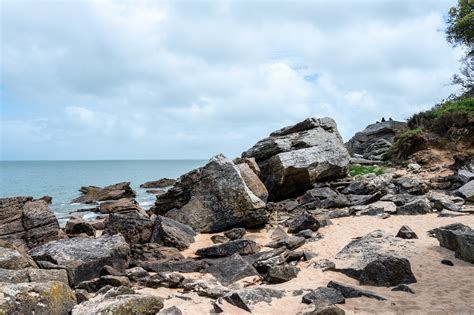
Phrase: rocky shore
(286, 227)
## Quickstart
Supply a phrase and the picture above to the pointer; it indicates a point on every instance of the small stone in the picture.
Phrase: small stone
(291, 242)
(219, 239)
(282, 273)
(323, 295)
(241, 246)
(404, 288)
(235, 233)
(303, 221)
(447, 262)
(406, 233)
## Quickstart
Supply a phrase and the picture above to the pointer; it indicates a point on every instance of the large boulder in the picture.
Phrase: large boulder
(212, 198)
(457, 237)
(376, 259)
(293, 158)
(83, 258)
(93, 194)
(26, 222)
(172, 233)
(230, 269)
(253, 181)
(242, 247)
(372, 142)
(13, 257)
(134, 226)
(41, 298)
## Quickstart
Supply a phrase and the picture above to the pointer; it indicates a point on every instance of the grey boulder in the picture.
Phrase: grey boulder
(171, 233)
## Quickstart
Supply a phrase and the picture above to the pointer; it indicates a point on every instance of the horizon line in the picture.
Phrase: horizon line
(106, 160)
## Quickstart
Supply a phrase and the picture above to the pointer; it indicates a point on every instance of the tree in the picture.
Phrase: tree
(460, 32)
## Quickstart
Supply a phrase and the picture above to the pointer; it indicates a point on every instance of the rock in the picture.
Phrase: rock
(33, 275)
(161, 183)
(121, 304)
(14, 258)
(235, 233)
(26, 222)
(81, 295)
(93, 194)
(447, 262)
(110, 271)
(375, 259)
(204, 288)
(242, 247)
(295, 157)
(419, 206)
(79, 226)
(467, 191)
(183, 265)
(404, 288)
(246, 298)
(290, 242)
(228, 270)
(459, 238)
(351, 292)
(98, 283)
(375, 139)
(406, 233)
(165, 280)
(219, 239)
(212, 198)
(325, 265)
(152, 253)
(413, 186)
(120, 205)
(278, 233)
(323, 295)
(325, 310)
(253, 182)
(155, 191)
(136, 273)
(83, 258)
(173, 310)
(302, 222)
(135, 227)
(414, 166)
(281, 273)
(51, 297)
(47, 199)
(172, 233)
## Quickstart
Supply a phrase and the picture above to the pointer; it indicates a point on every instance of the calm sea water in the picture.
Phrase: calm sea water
(62, 179)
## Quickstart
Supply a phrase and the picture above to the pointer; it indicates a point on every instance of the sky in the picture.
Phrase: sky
(188, 80)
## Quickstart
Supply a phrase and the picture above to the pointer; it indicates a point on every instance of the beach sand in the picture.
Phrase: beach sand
(440, 289)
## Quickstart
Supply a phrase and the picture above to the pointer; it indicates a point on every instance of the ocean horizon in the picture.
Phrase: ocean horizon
(62, 179)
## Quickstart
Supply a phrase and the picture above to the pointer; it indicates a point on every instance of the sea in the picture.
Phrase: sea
(62, 179)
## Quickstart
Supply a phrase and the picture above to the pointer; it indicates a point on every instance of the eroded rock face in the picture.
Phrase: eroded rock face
(46, 298)
(293, 158)
(212, 198)
(375, 139)
(83, 258)
(93, 194)
(27, 222)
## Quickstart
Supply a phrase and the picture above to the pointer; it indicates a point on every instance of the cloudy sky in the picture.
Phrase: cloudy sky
(158, 80)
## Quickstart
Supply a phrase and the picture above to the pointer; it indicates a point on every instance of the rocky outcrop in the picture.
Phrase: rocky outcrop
(172, 233)
(93, 194)
(26, 222)
(160, 183)
(295, 157)
(459, 238)
(52, 298)
(83, 258)
(375, 259)
(212, 198)
(372, 142)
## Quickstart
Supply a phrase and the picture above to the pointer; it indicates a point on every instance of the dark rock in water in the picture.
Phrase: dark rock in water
(323, 295)
(302, 222)
(467, 191)
(83, 258)
(293, 158)
(161, 183)
(173, 310)
(172, 233)
(404, 288)
(183, 265)
(219, 239)
(373, 142)
(27, 223)
(120, 304)
(78, 226)
(213, 198)
(230, 269)
(406, 233)
(242, 246)
(281, 273)
(47, 199)
(459, 238)
(415, 207)
(246, 298)
(371, 259)
(447, 262)
(135, 227)
(164, 280)
(351, 292)
(50, 297)
(93, 194)
(290, 242)
(235, 233)
(152, 253)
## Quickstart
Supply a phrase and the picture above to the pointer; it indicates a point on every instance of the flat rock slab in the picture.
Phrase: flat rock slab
(351, 292)
(246, 298)
(83, 258)
(122, 304)
(230, 269)
(242, 247)
(323, 295)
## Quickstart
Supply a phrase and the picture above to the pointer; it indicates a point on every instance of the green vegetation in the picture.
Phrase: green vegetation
(355, 170)
(405, 143)
(465, 105)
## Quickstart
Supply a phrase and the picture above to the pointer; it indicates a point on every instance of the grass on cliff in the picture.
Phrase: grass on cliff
(465, 105)
(355, 170)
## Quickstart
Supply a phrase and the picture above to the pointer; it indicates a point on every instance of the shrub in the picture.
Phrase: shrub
(407, 143)
(355, 170)
(422, 120)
